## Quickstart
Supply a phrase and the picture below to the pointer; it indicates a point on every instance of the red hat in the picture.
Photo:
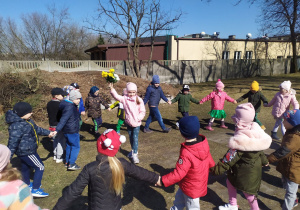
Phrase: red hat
(109, 142)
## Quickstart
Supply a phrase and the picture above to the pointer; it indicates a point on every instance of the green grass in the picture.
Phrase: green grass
(159, 152)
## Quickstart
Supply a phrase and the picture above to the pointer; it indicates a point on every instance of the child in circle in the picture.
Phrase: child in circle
(134, 113)
(93, 107)
(217, 97)
(281, 103)
(244, 160)
(255, 97)
(105, 177)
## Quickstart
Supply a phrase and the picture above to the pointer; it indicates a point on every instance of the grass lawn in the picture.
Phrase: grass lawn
(159, 152)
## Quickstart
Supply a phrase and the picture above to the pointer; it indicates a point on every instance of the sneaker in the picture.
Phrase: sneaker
(74, 167)
(54, 158)
(177, 124)
(130, 154)
(295, 203)
(167, 130)
(39, 193)
(135, 158)
(229, 207)
(30, 186)
(209, 128)
(263, 127)
(59, 160)
(118, 132)
(147, 130)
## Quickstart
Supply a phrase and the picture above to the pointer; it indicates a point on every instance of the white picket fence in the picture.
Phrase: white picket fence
(61, 66)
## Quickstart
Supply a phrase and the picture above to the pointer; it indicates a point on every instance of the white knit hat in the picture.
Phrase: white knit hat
(286, 85)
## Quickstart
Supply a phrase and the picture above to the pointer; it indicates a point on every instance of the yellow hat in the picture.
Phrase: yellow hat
(254, 86)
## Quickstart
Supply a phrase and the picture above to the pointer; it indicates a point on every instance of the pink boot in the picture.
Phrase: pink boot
(223, 125)
(208, 127)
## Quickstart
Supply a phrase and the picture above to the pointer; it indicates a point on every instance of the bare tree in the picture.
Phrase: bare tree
(281, 16)
(130, 18)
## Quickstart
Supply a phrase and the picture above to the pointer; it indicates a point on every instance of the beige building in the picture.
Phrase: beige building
(231, 48)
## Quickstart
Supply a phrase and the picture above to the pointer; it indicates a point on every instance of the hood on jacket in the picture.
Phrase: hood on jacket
(253, 139)
(11, 117)
(199, 150)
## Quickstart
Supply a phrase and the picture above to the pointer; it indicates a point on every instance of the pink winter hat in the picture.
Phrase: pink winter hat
(4, 156)
(131, 86)
(219, 85)
(244, 114)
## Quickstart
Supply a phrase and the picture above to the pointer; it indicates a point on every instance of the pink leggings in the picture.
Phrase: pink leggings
(232, 197)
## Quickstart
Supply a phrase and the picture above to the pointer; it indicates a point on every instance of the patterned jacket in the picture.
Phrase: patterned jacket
(93, 106)
(23, 134)
(15, 195)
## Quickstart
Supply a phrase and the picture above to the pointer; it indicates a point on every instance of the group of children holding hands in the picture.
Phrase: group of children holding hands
(243, 161)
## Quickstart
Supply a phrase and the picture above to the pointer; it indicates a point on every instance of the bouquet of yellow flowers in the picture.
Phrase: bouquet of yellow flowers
(110, 76)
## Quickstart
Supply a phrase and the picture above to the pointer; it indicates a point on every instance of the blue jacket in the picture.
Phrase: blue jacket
(69, 121)
(153, 95)
(23, 135)
(81, 106)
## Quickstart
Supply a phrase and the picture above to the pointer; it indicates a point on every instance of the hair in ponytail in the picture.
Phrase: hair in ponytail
(118, 175)
(10, 174)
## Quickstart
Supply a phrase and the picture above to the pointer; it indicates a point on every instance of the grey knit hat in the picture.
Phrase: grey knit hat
(73, 95)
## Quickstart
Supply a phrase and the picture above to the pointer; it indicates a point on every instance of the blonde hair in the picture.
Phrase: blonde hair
(118, 175)
(10, 174)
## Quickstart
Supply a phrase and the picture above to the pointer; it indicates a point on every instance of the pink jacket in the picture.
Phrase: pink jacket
(134, 113)
(281, 103)
(217, 100)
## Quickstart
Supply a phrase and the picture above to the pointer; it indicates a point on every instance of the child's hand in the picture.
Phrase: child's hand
(158, 183)
(235, 102)
(267, 164)
(169, 102)
(200, 102)
(53, 133)
(82, 113)
(265, 105)
(111, 85)
(109, 109)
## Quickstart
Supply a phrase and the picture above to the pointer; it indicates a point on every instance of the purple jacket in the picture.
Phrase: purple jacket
(217, 100)
(281, 103)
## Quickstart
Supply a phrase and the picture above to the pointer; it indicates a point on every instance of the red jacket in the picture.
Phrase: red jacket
(192, 169)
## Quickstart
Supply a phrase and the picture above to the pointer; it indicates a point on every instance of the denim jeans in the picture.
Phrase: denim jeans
(133, 133)
(154, 113)
(72, 147)
(182, 200)
(291, 189)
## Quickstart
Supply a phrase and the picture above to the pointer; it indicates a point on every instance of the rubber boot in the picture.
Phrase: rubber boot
(274, 135)
(223, 125)
(208, 127)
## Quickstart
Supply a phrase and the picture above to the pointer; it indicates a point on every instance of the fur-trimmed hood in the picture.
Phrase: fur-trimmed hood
(254, 139)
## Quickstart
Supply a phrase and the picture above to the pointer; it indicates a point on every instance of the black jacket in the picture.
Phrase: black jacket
(98, 181)
(54, 114)
(255, 99)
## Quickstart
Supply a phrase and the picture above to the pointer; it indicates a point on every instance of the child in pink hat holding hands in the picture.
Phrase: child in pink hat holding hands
(134, 113)
(217, 97)
(244, 160)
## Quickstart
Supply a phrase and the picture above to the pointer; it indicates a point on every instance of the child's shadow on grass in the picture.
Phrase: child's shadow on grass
(162, 171)
(48, 145)
(141, 190)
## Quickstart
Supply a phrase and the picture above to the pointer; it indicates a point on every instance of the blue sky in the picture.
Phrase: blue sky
(218, 15)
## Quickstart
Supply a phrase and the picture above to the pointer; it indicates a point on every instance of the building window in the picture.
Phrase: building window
(237, 55)
(279, 57)
(225, 55)
(249, 55)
